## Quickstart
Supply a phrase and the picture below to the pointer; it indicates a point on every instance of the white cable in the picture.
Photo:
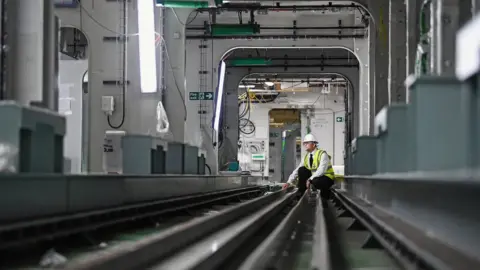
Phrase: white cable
(163, 124)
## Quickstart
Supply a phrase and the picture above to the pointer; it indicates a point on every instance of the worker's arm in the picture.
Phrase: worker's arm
(322, 167)
(294, 174)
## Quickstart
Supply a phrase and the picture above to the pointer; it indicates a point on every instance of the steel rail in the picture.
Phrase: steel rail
(350, 207)
(263, 255)
(216, 249)
(57, 227)
(407, 247)
(158, 247)
(321, 246)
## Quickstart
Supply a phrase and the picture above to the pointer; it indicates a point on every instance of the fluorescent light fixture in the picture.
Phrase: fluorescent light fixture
(218, 108)
(246, 86)
(146, 46)
(269, 83)
(262, 91)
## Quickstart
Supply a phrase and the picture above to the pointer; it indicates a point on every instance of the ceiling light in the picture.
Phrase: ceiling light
(146, 48)
(262, 91)
(246, 86)
(218, 107)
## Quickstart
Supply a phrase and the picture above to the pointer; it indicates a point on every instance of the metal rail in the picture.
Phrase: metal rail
(321, 245)
(22, 233)
(411, 247)
(257, 234)
(156, 248)
(215, 250)
(264, 254)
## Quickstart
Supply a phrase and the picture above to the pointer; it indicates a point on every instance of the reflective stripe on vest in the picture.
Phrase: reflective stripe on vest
(330, 173)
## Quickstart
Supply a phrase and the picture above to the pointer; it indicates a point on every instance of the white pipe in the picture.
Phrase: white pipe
(50, 55)
(25, 55)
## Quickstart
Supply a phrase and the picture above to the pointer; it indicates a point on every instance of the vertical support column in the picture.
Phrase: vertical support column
(435, 37)
(2, 49)
(475, 6)
(412, 35)
(466, 11)
(174, 37)
(25, 56)
(446, 26)
(397, 51)
(231, 115)
(381, 15)
(56, 76)
(49, 55)
(363, 49)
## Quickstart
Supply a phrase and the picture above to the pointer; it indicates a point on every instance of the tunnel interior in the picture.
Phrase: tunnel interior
(316, 83)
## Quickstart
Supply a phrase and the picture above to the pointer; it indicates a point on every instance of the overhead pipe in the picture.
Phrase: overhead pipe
(188, 4)
(247, 7)
(294, 28)
(301, 66)
(305, 58)
(210, 37)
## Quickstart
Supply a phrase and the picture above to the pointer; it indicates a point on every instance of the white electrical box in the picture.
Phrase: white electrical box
(108, 104)
(113, 152)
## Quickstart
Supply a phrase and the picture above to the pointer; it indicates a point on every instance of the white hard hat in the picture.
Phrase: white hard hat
(309, 138)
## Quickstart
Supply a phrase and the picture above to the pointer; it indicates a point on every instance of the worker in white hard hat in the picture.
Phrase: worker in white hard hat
(315, 169)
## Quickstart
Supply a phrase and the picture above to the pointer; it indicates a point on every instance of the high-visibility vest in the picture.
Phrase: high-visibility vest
(330, 173)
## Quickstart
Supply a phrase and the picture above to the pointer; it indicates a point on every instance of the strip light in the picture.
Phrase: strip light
(146, 46)
(218, 108)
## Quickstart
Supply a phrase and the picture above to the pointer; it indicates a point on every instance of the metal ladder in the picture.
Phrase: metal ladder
(202, 107)
(122, 42)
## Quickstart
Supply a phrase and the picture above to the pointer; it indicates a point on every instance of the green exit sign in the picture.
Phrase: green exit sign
(339, 119)
(200, 95)
(258, 156)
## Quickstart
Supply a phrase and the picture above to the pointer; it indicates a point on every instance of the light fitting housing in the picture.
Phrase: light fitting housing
(218, 106)
(146, 46)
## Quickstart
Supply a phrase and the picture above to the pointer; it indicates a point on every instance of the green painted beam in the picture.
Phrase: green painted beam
(250, 62)
(182, 4)
(234, 29)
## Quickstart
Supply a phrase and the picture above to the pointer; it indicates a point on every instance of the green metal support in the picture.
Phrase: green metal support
(183, 4)
(250, 62)
(234, 29)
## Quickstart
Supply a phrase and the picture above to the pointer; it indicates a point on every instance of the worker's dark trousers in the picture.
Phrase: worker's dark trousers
(323, 183)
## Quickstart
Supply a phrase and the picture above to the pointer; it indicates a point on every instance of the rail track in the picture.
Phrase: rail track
(284, 230)
(23, 242)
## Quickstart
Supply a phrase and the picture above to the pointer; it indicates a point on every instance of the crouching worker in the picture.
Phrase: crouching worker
(315, 169)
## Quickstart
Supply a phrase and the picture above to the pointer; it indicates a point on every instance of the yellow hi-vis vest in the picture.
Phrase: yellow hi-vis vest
(316, 161)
